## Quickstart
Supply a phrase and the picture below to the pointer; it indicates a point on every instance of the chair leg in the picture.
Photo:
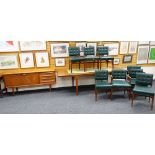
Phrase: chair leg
(152, 102)
(95, 94)
(133, 97)
(71, 67)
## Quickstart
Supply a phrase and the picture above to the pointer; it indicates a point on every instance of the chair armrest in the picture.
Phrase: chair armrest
(111, 78)
(128, 78)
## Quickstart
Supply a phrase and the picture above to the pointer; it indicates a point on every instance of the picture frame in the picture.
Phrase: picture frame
(142, 56)
(26, 60)
(60, 62)
(9, 61)
(116, 61)
(32, 45)
(9, 46)
(113, 48)
(151, 58)
(124, 46)
(133, 47)
(143, 42)
(59, 50)
(81, 45)
(42, 59)
(152, 42)
(127, 58)
(92, 44)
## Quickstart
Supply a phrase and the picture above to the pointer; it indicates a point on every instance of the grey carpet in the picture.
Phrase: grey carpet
(64, 101)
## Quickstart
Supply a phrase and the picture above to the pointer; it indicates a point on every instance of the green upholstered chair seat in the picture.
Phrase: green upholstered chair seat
(103, 84)
(106, 58)
(89, 58)
(143, 90)
(120, 84)
(133, 81)
(76, 59)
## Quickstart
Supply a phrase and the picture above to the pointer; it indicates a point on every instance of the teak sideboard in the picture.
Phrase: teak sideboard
(19, 80)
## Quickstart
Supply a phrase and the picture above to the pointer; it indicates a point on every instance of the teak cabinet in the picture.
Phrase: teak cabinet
(19, 80)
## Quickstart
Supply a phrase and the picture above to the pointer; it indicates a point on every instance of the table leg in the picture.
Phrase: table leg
(71, 67)
(72, 81)
(77, 87)
(112, 63)
(107, 63)
(13, 91)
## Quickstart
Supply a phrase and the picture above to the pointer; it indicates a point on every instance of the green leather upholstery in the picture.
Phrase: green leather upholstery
(102, 50)
(133, 67)
(144, 79)
(133, 81)
(132, 72)
(120, 84)
(119, 74)
(74, 51)
(101, 84)
(89, 51)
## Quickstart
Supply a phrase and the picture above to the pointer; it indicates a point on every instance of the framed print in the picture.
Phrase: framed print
(127, 58)
(92, 45)
(42, 59)
(143, 42)
(124, 45)
(81, 45)
(59, 50)
(8, 61)
(142, 56)
(152, 42)
(9, 46)
(133, 47)
(59, 62)
(151, 55)
(26, 60)
(113, 48)
(116, 61)
(32, 45)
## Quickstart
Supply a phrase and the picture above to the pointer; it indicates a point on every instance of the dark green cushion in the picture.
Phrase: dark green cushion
(76, 59)
(133, 81)
(99, 84)
(120, 84)
(144, 79)
(101, 75)
(89, 58)
(106, 58)
(119, 74)
(133, 67)
(74, 51)
(144, 90)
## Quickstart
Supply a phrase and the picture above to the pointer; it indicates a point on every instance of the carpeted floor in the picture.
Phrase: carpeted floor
(64, 101)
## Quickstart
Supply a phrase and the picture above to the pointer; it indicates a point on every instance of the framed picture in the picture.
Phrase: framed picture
(92, 45)
(32, 45)
(113, 48)
(81, 45)
(124, 45)
(152, 42)
(142, 56)
(42, 59)
(143, 42)
(9, 46)
(116, 61)
(127, 58)
(59, 62)
(151, 55)
(133, 47)
(26, 60)
(8, 61)
(59, 50)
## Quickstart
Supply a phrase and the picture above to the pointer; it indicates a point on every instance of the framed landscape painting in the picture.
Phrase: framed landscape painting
(9, 46)
(59, 62)
(32, 45)
(127, 58)
(133, 47)
(113, 48)
(26, 60)
(116, 61)
(8, 61)
(42, 59)
(124, 47)
(142, 56)
(151, 55)
(59, 50)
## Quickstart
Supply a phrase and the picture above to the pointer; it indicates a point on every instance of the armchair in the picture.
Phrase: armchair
(101, 82)
(144, 87)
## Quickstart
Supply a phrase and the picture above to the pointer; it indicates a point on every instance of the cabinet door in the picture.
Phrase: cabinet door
(47, 78)
(20, 80)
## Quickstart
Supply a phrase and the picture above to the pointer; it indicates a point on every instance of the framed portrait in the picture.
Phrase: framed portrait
(124, 45)
(32, 45)
(59, 62)
(113, 48)
(42, 59)
(59, 49)
(116, 61)
(151, 55)
(92, 45)
(9, 61)
(152, 42)
(133, 47)
(26, 60)
(81, 45)
(9, 46)
(143, 43)
(142, 56)
(127, 58)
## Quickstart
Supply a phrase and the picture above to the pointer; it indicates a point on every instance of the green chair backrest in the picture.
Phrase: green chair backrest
(144, 79)
(119, 74)
(133, 67)
(102, 50)
(133, 72)
(101, 75)
(89, 51)
(74, 51)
